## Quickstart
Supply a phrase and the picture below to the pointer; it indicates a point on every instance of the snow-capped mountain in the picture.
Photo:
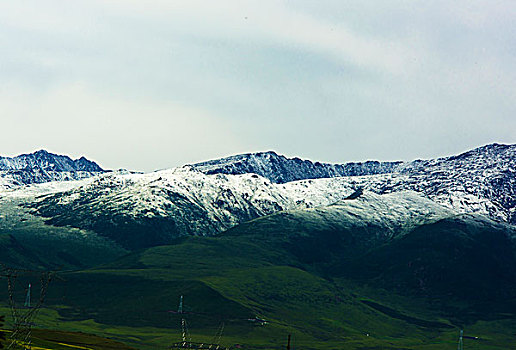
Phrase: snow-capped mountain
(481, 180)
(166, 204)
(280, 169)
(42, 166)
(139, 210)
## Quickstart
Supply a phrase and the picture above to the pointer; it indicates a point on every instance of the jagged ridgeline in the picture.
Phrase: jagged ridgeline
(484, 177)
(42, 166)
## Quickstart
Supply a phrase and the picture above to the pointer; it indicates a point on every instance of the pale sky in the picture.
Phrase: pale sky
(153, 84)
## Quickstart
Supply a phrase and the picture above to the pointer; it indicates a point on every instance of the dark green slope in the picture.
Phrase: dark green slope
(50, 248)
(326, 275)
(471, 260)
(13, 254)
(29, 242)
(460, 258)
(48, 252)
(316, 238)
(292, 301)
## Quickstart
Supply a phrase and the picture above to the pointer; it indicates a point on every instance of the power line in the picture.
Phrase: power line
(21, 335)
(187, 343)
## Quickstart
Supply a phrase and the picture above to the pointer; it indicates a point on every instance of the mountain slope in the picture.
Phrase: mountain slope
(143, 210)
(37, 245)
(399, 241)
(481, 181)
(463, 258)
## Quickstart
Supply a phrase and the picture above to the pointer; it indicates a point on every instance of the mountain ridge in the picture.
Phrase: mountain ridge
(42, 166)
(280, 169)
(268, 163)
(484, 177)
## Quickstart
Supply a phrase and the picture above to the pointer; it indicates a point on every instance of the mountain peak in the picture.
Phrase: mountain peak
(48, 161)
(272, 153)
(496, 147)
(43, 166)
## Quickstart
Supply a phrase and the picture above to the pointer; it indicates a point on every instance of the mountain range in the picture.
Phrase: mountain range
(373, 255)
(143, 210)
(131, 211)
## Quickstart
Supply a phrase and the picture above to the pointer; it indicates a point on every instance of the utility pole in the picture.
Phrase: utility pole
(461, 344)
(186, 339)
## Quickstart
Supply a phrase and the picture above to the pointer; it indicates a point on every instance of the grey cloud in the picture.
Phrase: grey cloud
(167, 83)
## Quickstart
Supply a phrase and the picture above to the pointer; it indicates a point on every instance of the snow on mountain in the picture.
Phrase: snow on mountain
(482, 180)
(48, 162)
(42, 166)
(393, 212)
(279, 169)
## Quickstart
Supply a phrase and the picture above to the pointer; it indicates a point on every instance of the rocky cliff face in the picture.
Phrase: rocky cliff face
(280, 169)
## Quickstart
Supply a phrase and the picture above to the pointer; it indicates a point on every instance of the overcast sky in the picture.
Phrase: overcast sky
(153, 84)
